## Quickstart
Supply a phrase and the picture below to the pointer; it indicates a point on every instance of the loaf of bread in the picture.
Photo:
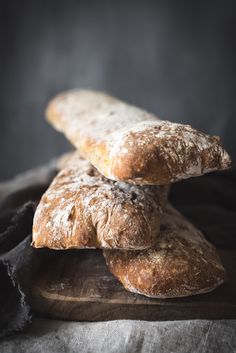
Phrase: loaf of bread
(182, 262)
(128, 144)
(83, 209)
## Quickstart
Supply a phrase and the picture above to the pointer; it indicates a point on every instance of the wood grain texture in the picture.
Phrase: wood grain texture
(78, 286)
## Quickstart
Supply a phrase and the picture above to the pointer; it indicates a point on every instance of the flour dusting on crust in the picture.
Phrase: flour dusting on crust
(184, 151)
(95, 114)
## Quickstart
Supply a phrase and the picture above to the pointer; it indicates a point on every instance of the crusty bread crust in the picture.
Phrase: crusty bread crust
(83, 209)
(182, 262)
(128, 144)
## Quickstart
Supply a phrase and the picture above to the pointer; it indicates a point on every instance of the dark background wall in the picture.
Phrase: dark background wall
(175, 58)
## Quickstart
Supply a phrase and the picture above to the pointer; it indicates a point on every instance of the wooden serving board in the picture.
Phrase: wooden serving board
(76, 285)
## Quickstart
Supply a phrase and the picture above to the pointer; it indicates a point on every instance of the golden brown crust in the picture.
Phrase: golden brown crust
(181, 263)
(128, 144)
(83, 209)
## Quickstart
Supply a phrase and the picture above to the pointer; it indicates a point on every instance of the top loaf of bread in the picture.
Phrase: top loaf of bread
(126, 143)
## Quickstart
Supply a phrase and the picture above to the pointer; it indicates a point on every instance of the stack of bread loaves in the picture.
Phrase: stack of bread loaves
(112, 193)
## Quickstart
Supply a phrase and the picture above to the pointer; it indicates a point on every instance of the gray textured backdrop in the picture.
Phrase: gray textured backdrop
(174, 58)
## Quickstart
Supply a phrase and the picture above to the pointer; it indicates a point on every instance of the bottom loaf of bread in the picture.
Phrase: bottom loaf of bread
(182, 262)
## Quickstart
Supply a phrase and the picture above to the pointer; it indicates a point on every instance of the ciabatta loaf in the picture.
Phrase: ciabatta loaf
(83, 209)
(128, 144)
(181, 263)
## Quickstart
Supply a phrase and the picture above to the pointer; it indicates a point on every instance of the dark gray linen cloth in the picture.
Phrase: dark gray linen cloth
(208, 201)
